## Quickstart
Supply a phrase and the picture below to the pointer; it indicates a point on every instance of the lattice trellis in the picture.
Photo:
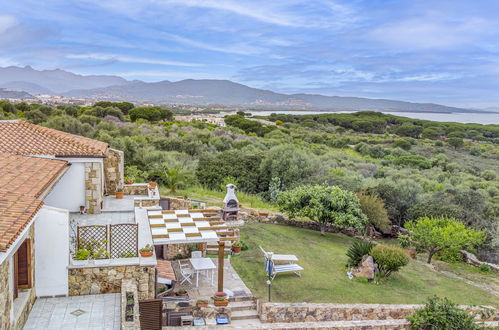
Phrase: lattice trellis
(92, 237)
(124, 240)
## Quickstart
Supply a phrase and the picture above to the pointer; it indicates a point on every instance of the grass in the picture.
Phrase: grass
(215, 197)
(324, 278)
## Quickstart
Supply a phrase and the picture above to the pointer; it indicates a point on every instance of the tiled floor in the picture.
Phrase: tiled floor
(111, 203)
(100, 311)
(104, 218)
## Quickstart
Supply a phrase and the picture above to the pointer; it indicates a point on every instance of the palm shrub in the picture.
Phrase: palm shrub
(441, 313)
(356, 251)
(389, 258)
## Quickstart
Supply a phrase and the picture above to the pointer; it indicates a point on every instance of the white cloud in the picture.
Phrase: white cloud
(129, 59)
(7, 22)
(431, 32)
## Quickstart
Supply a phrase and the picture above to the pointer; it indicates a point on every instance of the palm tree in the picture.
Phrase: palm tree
(175, 177)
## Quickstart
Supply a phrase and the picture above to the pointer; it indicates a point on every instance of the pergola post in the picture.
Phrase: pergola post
(221, 253)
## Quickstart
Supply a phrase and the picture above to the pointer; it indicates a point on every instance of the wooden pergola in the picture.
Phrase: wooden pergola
(190, 226)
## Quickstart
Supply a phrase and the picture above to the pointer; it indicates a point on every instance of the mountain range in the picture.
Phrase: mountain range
(190, 91)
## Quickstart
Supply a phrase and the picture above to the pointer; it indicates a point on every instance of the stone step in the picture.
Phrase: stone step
(241, 298)
(244, 314)
(242, 305)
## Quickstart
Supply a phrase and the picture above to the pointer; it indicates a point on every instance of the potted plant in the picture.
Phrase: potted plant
(181, 292)
(82, 209)
(236, 247)
(100, 256)
(146, 251)
(119, 194)
(152, 185)
(81, 257)
(128, 180)
(220, 299)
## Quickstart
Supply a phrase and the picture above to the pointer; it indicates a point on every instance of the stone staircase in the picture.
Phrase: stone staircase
(243, 308)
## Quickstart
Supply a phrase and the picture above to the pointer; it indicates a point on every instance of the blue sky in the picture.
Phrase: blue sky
(425, 51)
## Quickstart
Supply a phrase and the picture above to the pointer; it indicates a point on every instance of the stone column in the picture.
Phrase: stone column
(93, 187)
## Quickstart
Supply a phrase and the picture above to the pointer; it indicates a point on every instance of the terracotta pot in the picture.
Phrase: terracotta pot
(152, 185)
(181, 294)
(221, 302)
(119, 194)
(145, 254)
(236, 249)
(129, 182)
(82, 208)
(220, 295)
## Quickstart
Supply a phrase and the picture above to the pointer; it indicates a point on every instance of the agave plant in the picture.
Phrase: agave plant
(357, 250)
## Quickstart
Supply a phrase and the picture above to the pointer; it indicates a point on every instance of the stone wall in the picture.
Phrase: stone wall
(171, 251)
(128, 285)
(306, 312)
(5, 296)
(95, 280)
(146, 202)
(181, 203)
(136, 189)
(113, 171)
(93, 188)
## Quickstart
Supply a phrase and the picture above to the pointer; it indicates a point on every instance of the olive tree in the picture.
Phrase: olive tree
(436, 234)
(325, 205)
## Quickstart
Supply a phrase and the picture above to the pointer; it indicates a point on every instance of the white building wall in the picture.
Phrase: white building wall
(51, 251)
(69, 192)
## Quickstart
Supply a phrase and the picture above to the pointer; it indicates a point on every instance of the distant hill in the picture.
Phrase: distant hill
(8, 94)
(190, 91)
(55, 81)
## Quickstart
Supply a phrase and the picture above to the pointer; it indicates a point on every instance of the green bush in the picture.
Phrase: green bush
(389, 258)
(357, 250)
(374, 208)
(484, 268)
(441, 313)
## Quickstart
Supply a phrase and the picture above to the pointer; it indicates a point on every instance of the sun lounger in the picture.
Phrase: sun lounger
(279, 257)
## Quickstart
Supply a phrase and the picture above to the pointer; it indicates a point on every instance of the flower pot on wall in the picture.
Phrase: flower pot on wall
(146, 254)
(119, 194)
(236, 249)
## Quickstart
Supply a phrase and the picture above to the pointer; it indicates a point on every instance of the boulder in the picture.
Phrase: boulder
(365, 269)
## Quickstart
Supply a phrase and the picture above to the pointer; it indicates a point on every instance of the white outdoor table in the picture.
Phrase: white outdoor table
(200, 264)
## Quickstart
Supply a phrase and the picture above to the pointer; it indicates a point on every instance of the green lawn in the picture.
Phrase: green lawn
(324, 278)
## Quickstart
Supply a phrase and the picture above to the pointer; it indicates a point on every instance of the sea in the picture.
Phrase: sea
(458, 117)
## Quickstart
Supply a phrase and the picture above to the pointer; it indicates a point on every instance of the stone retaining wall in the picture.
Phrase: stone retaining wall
(136, 189)
(146, 202)
(113, 171)
(181, 203)
(306, 312)
(95, 280)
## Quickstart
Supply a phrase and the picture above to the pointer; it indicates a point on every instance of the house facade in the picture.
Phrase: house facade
(96, 170)
(28, 267)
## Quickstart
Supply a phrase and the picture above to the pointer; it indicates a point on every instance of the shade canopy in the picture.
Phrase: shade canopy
(183, 226)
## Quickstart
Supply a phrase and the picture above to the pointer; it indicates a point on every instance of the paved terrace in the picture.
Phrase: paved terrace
(100, 311)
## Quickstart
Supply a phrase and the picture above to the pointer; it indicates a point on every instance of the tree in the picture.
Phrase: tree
(399, 197)
(436, 234)
(324, 205)
(150, 114)
(175, 177)
(374, 208)
(456, 142)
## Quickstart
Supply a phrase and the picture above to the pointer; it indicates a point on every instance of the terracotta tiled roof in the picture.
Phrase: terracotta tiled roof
(22, 138)
(23, 180)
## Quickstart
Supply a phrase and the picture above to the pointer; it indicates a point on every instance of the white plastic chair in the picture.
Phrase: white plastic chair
(186, 273)
(196, 254)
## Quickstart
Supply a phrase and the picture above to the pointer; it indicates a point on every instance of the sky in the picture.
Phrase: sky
(422, 51)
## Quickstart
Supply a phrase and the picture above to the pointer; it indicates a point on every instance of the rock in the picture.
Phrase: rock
(366, 268)
(95, 288)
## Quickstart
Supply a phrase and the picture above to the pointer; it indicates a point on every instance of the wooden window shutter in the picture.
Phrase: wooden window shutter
(151, 314)
(24, 265)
